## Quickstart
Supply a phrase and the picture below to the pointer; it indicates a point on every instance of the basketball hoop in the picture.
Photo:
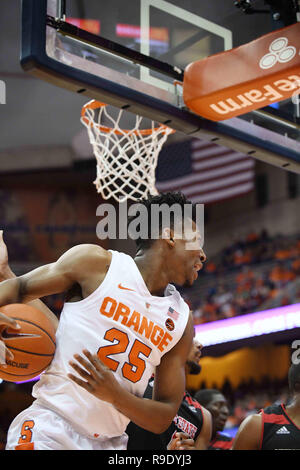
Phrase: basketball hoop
(126, 159)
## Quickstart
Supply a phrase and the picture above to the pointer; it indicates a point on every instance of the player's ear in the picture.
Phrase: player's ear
(168, 235)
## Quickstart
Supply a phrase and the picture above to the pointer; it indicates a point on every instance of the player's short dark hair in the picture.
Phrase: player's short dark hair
(294, 378)
(169, 199)
(204, 397)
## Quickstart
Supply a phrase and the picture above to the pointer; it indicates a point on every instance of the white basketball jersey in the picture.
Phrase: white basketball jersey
(128, 328)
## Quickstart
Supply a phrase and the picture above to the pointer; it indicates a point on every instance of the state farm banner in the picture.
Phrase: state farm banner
(249, 77)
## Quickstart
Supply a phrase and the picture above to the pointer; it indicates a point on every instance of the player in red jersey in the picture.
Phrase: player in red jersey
(277, 427)
(215, 402)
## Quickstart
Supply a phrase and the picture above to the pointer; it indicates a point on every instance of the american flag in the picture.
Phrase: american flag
(173, 314)
(204, 172)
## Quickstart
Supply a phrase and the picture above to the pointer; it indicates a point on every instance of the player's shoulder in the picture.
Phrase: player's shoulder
(252, 422)
(248, 435)
(89, 249)
(86, 255)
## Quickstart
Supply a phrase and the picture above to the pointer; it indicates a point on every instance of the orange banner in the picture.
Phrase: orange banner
(246, 78)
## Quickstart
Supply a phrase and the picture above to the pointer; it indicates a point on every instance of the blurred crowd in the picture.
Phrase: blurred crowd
(248, 275)
(249, 398)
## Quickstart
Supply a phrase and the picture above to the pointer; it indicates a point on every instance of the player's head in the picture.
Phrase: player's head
(294, 379)
(173, 232)
(215, 402)
(192, 364)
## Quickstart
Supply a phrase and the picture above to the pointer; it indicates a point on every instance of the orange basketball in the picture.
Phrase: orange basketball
(33, 346)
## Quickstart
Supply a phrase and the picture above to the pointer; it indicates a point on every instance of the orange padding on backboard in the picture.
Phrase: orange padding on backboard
(248, 77)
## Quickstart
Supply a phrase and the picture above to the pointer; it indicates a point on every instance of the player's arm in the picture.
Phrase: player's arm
(75, 266)
(7, 273)
(204, 438)
(153, 415)
(249, 434)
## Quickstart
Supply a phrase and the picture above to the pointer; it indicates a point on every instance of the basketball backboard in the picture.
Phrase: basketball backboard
(133, 56)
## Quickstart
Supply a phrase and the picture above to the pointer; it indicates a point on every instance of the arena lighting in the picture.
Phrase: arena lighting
(133, 31)
(249, 326)
(93, 26)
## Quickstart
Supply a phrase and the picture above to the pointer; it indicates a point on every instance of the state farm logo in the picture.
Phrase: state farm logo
(280, 52)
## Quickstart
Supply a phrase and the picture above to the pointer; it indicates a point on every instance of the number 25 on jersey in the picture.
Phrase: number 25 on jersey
(133, 369)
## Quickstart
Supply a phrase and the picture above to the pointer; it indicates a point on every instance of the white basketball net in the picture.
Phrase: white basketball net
(126, 159)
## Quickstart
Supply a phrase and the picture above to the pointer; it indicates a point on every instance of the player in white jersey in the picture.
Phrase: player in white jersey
(131, 321)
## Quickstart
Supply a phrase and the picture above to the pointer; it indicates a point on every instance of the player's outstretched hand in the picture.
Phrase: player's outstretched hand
(98, 378)
(181, 441)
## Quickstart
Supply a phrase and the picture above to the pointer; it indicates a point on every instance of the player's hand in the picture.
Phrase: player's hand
(181, 441)
(5, 271)
(98, 378)
(4, 352)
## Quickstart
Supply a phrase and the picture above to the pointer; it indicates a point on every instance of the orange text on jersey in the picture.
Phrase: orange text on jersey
(142, 325)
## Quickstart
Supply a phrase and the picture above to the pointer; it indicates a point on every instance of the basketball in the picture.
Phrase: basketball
(33, 346)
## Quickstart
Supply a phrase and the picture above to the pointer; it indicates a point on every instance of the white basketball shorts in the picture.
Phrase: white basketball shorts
(38, 428)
